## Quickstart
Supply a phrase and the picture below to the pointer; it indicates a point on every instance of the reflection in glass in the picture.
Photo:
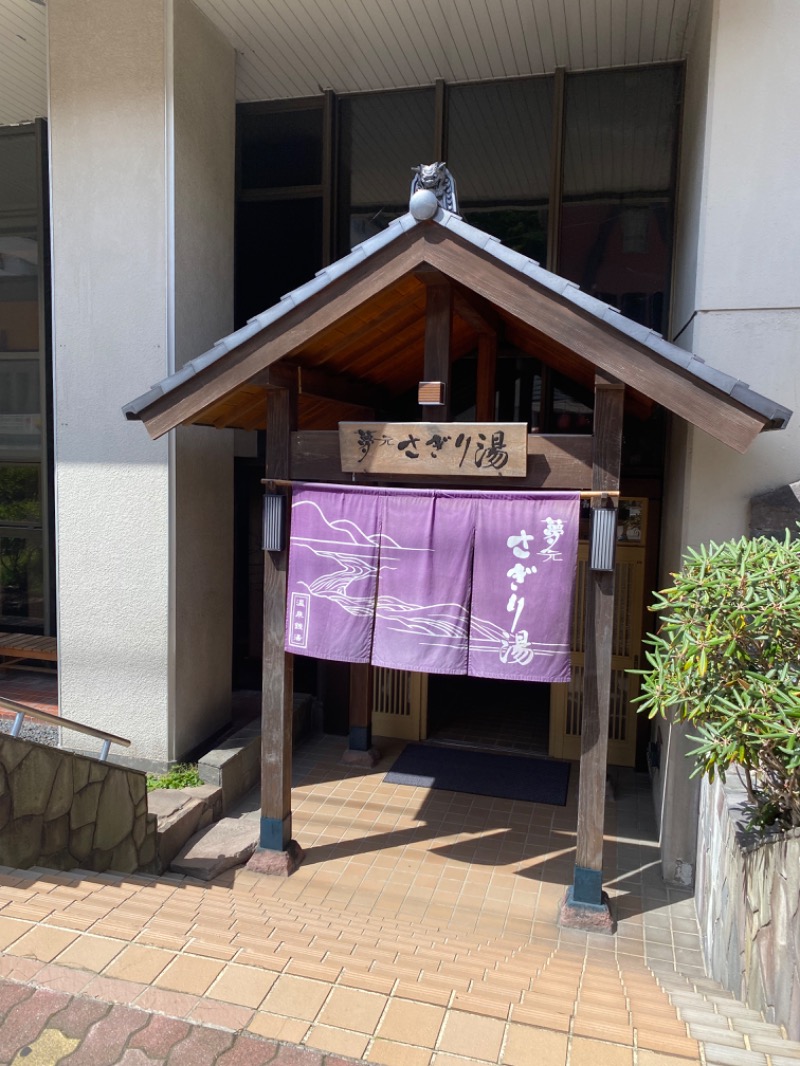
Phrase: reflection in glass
(616, 220)
(20, 405)
(19, 251)
(279, 149)
(499, 147)
(21, 577)
(20, 493)
(384, 135)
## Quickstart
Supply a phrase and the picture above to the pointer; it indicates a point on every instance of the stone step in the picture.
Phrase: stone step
(180, 813)
(229, 842)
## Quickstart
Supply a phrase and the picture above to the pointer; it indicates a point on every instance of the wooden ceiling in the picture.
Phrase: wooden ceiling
(375, 352)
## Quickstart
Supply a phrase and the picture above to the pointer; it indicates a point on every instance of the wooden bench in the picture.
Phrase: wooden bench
(16, 647)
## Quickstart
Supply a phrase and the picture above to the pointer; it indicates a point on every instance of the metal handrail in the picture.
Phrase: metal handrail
(22, 709)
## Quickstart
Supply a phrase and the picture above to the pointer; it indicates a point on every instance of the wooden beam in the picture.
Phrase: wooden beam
(285, 335)
(339, 387)
(280, 854)
(476, 312)
(574, 330)
(558, 461)
(607, 451)
(438, 336)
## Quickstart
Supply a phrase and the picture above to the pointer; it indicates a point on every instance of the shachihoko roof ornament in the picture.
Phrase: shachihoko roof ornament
(432, 187)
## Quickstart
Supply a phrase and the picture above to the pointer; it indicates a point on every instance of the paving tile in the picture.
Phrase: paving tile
(708, 1033)
(296, 997)
(295, 1056)
(189, 973)
(159, 1036)
(11, 995)
(655, 1058)
(11, 929)
(201, 1047)
(242, 985)
(526, 1046)
(350, 1008)
(248, 1051)
(337, 1041)
(406, 1021)
(42, 943)
(105, 1040)
(469, 1035)
(585, 1052)
(63, 979)
(90, 953)
(26, 1019)
(392, 1053)
(163, 1001)
(719, 1055)
(277, 1027)
(220, 1014)
(775, 1045)
(51, 1046)
(138, 963)
(114, 991)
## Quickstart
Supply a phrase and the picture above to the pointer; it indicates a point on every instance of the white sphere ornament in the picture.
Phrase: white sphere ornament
(423, 204)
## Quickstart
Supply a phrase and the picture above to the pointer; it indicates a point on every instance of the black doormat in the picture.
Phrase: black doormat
(481, 773)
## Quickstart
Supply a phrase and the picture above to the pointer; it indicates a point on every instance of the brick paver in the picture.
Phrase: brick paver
(419, 932)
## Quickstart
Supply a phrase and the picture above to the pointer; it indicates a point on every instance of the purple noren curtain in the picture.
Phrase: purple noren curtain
(436, 581)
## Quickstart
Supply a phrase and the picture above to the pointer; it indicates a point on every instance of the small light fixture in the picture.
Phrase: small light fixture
(602, 548)
(431, 393)
(273, 531)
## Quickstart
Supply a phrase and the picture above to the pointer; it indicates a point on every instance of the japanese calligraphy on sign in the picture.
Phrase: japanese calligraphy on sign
(467, 449)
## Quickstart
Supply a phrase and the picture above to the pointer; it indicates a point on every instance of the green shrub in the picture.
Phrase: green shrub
(726, 658)
(183, 775)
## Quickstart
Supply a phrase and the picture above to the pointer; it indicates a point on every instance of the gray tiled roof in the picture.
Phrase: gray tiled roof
(776, 415)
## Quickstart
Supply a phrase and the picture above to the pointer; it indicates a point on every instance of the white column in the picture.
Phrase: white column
(141, 131)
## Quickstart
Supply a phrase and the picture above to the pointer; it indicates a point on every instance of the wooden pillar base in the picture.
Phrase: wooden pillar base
(277, 863)
(591, 917)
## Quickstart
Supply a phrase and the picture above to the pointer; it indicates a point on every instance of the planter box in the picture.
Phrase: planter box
(748, 898)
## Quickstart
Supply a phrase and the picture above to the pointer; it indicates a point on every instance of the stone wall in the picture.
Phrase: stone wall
(748, 904)
(70, 811)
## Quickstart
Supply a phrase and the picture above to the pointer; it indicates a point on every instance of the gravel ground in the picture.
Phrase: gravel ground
(38, 731)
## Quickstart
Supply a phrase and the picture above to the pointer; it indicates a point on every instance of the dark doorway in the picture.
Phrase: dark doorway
(490, 715)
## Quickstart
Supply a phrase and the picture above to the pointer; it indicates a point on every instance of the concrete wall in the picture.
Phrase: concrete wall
(737, 296)
(748, 906)
(141, 96)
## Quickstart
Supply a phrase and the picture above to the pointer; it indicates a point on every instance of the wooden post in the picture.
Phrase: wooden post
(360, 751)
(487, 372)
(278, 853)
(438, 333)
(585, 904)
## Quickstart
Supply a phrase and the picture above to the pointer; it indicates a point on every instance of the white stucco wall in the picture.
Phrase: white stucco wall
(136, 284)
(107, 79)
(204, 138)
(737, 297)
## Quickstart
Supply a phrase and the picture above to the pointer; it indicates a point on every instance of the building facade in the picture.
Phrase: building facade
(202, 160)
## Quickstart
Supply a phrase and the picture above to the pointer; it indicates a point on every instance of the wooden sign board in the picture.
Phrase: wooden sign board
(451, 449)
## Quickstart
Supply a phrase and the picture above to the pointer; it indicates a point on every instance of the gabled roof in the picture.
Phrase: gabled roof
(556, 311)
